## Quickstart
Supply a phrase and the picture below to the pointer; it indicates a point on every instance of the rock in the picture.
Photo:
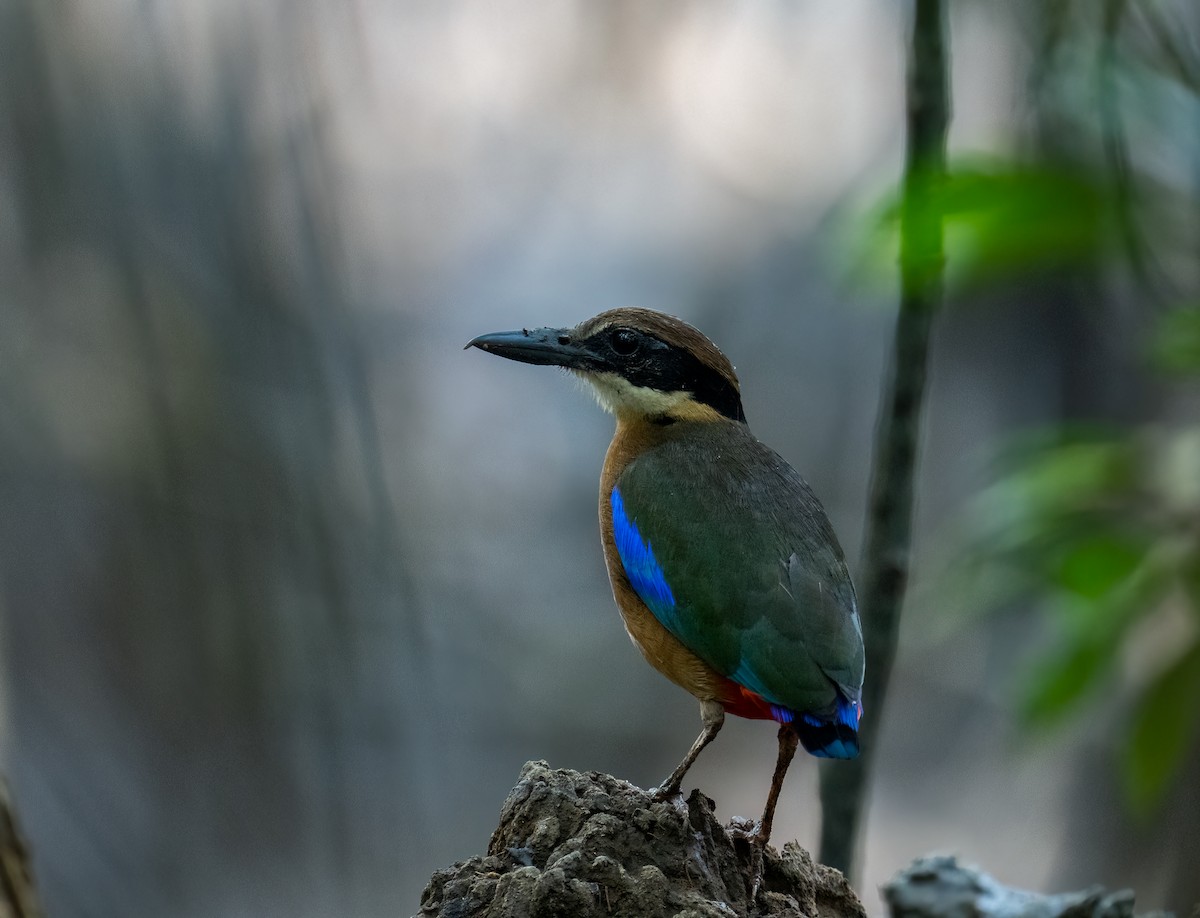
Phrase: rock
(939, 887)
(584, 845)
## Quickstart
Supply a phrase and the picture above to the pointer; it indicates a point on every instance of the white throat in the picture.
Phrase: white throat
(619, 396)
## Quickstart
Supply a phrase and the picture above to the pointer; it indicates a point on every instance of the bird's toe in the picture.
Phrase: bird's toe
(746, 829)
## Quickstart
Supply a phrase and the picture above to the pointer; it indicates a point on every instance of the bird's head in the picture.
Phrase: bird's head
(642, 364)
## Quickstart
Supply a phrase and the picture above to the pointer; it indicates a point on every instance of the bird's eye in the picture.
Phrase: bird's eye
(624, 342)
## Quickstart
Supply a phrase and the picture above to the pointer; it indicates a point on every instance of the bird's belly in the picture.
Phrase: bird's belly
(663, 650)
(665, 653)
(670, 657)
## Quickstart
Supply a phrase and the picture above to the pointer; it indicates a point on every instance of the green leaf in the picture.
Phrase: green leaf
(1096, 565)
(1001, 219)
(1077, 471)
(1176, 344)
(1061, 496)
(1164, 726)
(1095, 629)
(1012, 219)
(1060, 680)
(1190, 576)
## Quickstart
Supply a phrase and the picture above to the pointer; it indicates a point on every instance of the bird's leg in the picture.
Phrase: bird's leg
(713, 715)
(788, 740)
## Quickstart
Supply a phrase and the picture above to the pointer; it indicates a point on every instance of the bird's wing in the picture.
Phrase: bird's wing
(732, 552)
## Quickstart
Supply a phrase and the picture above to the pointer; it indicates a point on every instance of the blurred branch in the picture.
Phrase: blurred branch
(885, 565)
(1055, 16)
(1184, 66)
(19, 898)
(1116, 152)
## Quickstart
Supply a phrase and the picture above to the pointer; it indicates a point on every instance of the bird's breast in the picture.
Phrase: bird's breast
(661, 649)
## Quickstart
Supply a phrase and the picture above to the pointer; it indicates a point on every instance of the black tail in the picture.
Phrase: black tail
(833, 737)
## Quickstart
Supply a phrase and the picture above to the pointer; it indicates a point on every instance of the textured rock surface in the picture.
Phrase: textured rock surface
(572, 844)
(940, 887)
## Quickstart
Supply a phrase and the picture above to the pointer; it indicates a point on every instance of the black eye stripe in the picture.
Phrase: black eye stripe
(647, 361)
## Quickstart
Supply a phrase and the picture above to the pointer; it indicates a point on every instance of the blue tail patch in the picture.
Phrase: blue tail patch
(641, 567)
(833, 737)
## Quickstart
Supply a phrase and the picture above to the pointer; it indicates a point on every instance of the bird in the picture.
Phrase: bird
(723, 564)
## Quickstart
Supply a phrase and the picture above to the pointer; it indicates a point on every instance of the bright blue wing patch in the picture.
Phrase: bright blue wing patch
(643, 570)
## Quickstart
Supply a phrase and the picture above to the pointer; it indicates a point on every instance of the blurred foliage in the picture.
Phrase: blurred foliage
(1104, 529)
(1099, 526)
(1175, 348)
(1105, 179)
(1002, 219)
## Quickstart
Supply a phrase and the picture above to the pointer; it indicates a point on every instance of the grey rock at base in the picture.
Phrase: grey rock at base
(592, 846)
(940, 887)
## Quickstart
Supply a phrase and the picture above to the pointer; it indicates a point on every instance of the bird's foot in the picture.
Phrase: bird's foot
(756, 871)
(747, 830)
(750, 832)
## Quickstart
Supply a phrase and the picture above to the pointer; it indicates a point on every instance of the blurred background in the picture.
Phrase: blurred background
(291, 586)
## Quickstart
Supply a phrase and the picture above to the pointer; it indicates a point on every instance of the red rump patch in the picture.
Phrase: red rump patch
(742, 702)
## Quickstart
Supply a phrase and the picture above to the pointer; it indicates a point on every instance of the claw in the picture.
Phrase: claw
(756, 876)
(746, 829)
(750, 831)
(758, 847)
